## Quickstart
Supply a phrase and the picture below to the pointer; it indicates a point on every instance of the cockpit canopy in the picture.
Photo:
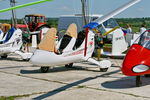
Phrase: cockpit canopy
(144, 39)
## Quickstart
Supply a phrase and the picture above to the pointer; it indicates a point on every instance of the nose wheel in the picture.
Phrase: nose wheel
(103, 69)
(138, 81)
(44, 69)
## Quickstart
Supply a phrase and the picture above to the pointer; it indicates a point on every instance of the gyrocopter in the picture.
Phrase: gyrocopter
(136, 62)
(72, 47)
(11, 42)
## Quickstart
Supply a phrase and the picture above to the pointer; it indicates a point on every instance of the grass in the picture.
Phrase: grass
(108, 45)
(81, 86)
(13, 97)
(7, 98)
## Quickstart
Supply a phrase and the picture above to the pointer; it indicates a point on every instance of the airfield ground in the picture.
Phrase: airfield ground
(21, 81)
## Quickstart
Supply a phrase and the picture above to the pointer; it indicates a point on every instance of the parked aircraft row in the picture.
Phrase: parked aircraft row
(75, 47)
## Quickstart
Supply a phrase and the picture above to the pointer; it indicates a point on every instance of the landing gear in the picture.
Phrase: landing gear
(138, 81)
(4, 56)
(103, 69)
(26, 59)
(69, 65)
(147, 75)
(44, 69)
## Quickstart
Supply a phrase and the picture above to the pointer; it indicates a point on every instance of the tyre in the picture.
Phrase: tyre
(26, 59)
(4, 56)
(103, 69)
(44, 69)
(69, 65)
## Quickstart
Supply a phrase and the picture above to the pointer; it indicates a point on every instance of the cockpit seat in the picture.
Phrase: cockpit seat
(68, 39)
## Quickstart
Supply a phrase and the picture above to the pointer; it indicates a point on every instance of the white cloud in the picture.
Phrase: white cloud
(29, 9)
(64, 8)
(140, 9)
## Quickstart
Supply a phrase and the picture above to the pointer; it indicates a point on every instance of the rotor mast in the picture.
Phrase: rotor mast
(85, 11)
(14, 20)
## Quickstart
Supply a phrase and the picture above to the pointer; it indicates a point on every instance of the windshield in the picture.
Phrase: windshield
(111, 23)
(144, 39)
(101, 29)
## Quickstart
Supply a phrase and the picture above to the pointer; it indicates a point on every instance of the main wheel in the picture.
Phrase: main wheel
(103, 69)
(69, 65)
(44, 69)
(26, 59)
(4, 56)
(138, 81)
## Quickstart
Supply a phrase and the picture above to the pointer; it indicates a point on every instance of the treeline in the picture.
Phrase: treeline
(134, 22)
(53, 22)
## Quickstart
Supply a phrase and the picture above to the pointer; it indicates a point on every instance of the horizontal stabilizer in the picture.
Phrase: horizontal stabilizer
(24, 55)
(112, 55)
(101, 64)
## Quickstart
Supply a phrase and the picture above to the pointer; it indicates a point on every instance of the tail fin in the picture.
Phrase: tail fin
(119, 44)
(34, 41)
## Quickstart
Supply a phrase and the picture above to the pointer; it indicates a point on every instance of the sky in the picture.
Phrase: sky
(56, 8)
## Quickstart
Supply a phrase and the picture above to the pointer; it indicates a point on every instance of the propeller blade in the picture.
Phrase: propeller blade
(24, 5)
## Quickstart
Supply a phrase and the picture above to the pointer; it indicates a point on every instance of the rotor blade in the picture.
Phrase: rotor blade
(24, 5)
(99, 21)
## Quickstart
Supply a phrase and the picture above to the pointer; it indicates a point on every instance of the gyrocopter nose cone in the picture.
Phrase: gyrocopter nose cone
(136, 61)
(33, 60)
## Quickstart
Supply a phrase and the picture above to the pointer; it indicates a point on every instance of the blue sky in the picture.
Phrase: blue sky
(70, 7)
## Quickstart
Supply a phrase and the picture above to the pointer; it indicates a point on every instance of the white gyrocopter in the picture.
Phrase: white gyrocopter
(11, 42)
(72, 47)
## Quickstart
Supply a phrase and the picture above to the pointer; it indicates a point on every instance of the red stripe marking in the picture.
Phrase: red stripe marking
(86, 38)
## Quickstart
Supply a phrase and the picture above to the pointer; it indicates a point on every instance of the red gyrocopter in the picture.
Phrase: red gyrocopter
(137, 60)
